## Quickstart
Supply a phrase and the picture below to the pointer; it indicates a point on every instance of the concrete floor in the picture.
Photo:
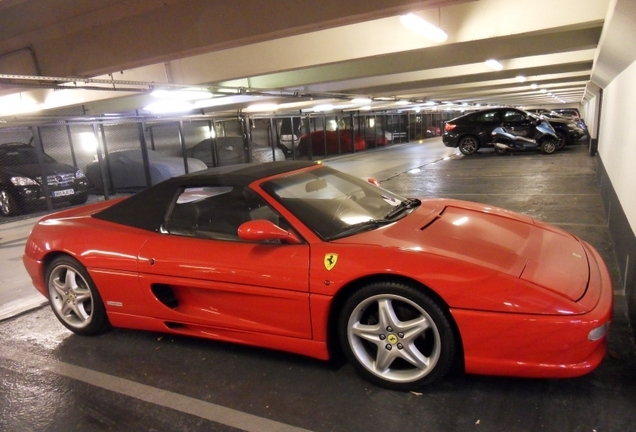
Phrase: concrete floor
(51, 380)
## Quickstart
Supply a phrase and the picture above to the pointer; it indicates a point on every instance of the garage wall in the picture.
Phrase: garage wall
(617, 139)
(617, 176)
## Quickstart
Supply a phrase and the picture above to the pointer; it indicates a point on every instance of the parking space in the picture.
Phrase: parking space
(124, 380)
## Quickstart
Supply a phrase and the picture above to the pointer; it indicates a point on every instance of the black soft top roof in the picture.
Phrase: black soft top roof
(147, 209)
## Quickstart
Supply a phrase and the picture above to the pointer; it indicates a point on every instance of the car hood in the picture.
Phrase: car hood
(33, 170)
(491, 238)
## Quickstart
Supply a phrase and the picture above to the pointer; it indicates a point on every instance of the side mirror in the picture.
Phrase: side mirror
(263, 230)
(373, 181)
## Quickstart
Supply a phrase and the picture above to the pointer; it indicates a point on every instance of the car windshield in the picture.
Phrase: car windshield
(334, 204)
(16, 156)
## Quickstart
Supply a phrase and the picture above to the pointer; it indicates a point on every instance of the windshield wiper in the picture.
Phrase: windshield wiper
(403, 206)
(360, 227)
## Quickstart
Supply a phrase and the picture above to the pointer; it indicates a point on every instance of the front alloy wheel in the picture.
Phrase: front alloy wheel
(549, 146)
(8, 206)
(74, 297)
(468, 145)
(396, 336)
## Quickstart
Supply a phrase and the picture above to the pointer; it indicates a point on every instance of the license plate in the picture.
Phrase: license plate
(63, 192)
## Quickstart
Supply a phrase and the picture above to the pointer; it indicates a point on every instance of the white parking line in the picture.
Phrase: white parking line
(25, 304)
(163, 398)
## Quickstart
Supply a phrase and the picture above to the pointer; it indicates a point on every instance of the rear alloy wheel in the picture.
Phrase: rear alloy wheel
(562, 139)
(396, 336)
(8, 205)
(468, 145)
(74, 297)
(549, 146)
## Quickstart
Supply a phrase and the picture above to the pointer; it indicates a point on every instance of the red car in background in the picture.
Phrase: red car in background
(318, 143)
(300, 257)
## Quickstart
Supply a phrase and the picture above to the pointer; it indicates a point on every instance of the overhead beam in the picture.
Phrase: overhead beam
(118, 34)
(477, 51)
(458, 81)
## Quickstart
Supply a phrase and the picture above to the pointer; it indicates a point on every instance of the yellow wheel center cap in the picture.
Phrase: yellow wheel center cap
(392, 339)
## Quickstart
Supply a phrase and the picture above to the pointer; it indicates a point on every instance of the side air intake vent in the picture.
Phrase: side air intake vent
(165, 295)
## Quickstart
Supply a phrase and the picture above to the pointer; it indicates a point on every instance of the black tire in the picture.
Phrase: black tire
(548, 146)
(74, 297)
(409, 345)
(468, 145)
(8, 204)
(562, 138)
(500, 151)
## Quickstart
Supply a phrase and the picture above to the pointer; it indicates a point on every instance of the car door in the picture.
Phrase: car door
(198, 271)
(516, 122)
(484, 122)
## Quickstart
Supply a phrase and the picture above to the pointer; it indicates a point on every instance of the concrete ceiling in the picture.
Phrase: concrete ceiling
(106, 56)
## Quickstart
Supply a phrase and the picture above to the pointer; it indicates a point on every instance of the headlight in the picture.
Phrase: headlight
(23, 181)
(79, 174)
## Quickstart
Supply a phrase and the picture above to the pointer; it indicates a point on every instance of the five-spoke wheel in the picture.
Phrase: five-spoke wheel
(74, 298)
(468, 145)
(396, 336)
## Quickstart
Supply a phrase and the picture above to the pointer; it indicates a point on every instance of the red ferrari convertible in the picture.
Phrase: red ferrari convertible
(299, 257)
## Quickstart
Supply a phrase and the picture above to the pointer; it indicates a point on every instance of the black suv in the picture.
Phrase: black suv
(21, 183)
(471, 132)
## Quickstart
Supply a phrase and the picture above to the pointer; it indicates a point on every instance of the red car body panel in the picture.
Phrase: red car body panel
(516, 311)
(318, 142)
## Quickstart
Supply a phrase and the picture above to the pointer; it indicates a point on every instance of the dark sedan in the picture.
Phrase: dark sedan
(472, 131)
(21, 184)
(567, 130)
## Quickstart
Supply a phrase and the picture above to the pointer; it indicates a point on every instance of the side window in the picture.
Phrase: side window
(513, 116)
(216, 212)
(486, 117)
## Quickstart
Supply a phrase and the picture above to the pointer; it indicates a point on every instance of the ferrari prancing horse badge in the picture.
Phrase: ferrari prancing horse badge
(330, 260)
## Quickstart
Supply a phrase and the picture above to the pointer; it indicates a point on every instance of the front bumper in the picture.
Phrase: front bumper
(35, 270)
(541, 346)
(33, 194)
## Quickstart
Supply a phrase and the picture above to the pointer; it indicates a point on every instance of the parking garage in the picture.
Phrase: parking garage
(370, 111)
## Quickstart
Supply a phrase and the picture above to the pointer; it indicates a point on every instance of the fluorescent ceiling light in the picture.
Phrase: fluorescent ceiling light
(543, 91)
(365, 108)
(430, 103)
(423, 28)
(323, 107)
(402, 102)
(361, 101)
(88, 142)
(181, 95)
(534, 86)
(520, 78)
(494, 64)
(262, 107)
